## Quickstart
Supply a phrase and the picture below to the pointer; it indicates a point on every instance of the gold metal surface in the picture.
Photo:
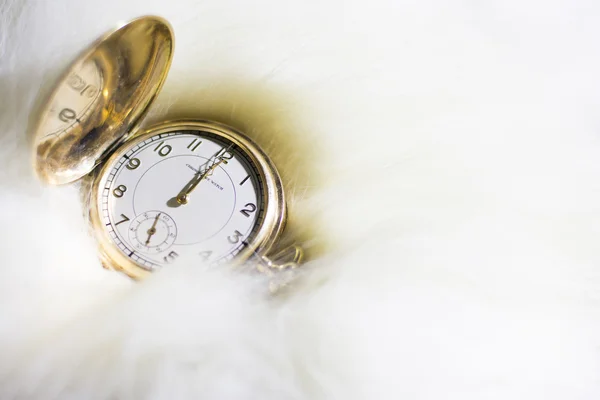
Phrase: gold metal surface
(274, 202)
(100, 99)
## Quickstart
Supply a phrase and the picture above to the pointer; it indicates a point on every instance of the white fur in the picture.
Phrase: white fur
(442, 165)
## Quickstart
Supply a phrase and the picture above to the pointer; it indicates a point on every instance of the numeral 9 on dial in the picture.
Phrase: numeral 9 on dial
(133, 163)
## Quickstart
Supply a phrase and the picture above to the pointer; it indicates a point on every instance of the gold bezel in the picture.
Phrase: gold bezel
(275, 209)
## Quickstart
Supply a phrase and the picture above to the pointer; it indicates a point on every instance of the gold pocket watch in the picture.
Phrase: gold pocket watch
(186, 190)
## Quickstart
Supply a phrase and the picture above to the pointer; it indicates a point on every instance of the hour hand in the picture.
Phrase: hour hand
(183, 196)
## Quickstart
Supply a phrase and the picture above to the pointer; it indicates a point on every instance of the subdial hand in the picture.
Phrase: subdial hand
(152, 230)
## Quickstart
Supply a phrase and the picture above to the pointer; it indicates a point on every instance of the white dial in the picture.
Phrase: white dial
(181, 195)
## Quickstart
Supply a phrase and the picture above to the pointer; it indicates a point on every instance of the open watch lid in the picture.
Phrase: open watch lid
(100, 99)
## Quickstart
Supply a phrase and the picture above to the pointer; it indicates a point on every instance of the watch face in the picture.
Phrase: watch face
(181, 195)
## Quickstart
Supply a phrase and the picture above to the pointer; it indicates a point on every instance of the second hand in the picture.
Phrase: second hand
(152, 230)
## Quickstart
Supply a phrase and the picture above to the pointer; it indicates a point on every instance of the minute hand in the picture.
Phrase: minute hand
(182, 197)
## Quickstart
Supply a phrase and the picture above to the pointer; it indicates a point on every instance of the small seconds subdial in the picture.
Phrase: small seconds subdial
(152, 232)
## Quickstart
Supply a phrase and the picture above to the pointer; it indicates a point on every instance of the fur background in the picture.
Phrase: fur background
(442, 162)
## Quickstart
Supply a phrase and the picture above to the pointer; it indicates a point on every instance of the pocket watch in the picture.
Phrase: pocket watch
(185, 190)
